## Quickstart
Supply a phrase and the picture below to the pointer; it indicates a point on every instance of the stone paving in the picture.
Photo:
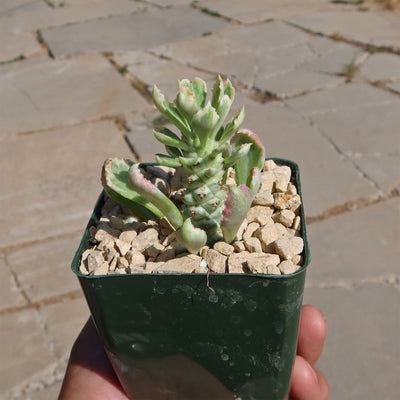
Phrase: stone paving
(321, 85)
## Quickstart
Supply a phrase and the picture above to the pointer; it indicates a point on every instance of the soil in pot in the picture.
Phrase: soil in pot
(268, 242)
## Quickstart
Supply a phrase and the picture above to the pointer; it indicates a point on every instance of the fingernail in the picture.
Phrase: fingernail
(314, 373)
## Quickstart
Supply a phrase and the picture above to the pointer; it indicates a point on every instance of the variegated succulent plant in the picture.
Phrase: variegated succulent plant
(212, 210)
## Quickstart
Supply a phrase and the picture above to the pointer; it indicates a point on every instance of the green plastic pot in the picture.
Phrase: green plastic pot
(172, 336)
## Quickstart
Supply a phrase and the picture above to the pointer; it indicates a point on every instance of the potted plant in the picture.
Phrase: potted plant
(193, 268)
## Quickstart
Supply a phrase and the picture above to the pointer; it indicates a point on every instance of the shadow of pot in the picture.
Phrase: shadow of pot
(170, 336)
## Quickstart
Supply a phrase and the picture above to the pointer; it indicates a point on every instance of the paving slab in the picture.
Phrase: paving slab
(10, 294)
(60, 171)
(64, 321)
(43, 270)
(395, 86)
(241, 43)
(130, 32)
(64, 92)
(344, 98)
(274, 58)
(8, 6)
(153, 70)
(332, 56)
(23, 348)
(360, 358)
(17, 44)
(378, 29)
(47, 393)
(369, 137)
(26, 16)
(42, 383)
(296, 82)
(254, 11)
(381, 66)
(19, 64)
(327, 179)
(382, 169)
(140, 135)
(169, 3)
(356, 246)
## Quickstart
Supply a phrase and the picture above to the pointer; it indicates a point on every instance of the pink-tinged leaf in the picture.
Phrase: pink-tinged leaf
(254, 159)
(138, 179)
(151, 193)
(247, 192)
(237, 204)
(254, 181)
(252, 138)
(116, 184)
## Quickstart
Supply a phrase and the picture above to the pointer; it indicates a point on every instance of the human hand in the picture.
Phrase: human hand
(90, 376)
(307, 382)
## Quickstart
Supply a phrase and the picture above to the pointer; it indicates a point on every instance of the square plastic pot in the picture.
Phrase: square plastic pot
(172, 336)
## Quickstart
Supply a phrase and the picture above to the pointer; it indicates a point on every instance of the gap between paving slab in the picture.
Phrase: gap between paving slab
(371, 30)
(64, 92)
(130, 32)
(64, 198)
(360, 122)
(257, 11)
(32, 15)
(277, 60)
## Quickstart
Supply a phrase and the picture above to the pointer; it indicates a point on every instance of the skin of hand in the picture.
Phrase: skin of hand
(90, 376)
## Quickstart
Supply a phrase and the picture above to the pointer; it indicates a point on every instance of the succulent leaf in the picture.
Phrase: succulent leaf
(115, 182)
(145, 188)
(171, 113)
(173, 152)
(200, 91)
(232, 126)
(167, 161)
(254, 159)
(191, 237)
(217, 92)
(203, 122)
(220, 89)
(237, 155)
(254, 180)
(229, 90)
(186, 99)
(167, 137)
(237, 205)
(222, 110)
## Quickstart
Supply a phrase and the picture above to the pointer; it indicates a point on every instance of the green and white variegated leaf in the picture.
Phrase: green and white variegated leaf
(203, 123)
(237, 205)
(191, 237)
(167, 161)
(116, 184)
(232, 127)
(171, 113)
(254, 159)
(150, 192)
(243, 151)
(167, 137)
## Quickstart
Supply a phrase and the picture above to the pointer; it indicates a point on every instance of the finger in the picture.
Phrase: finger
(89, 374)
(307, 383)
(312, 333)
